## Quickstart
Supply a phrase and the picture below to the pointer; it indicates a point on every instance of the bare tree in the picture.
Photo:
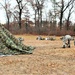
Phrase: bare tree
(69, 15)
(21, 4)
(38, 6)
(54, 10)
(63, 7)
(27, 20)
(33, 6)
(6, 5)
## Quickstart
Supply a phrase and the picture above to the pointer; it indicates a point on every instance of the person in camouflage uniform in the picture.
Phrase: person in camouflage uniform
(66, 41)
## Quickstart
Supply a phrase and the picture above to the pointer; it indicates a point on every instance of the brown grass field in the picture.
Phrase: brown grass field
(49, 58)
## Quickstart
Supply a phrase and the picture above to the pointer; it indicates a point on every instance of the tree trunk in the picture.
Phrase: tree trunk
(40, 18)
(68, 23)
(7, 22)
(61, 16)
(35, 19)
(20, 19)
(68, 18)
(38, 22)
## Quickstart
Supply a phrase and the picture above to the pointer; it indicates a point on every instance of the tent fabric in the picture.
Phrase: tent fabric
(11, 45)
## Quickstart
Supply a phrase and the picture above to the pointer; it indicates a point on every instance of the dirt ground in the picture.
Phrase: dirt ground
(49, 58)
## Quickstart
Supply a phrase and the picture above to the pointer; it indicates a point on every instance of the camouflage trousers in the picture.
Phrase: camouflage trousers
(66, 43)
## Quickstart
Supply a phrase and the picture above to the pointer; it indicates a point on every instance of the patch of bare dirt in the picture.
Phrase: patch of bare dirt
(49, 58)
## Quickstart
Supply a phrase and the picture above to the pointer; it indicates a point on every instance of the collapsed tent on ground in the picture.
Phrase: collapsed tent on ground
(10, 45)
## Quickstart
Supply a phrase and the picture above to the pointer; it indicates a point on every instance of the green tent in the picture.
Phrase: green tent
(9, 45)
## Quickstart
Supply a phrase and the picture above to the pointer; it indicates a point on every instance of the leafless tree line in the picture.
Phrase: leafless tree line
(58, 10)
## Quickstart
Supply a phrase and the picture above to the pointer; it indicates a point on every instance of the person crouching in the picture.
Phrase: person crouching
(66, 41)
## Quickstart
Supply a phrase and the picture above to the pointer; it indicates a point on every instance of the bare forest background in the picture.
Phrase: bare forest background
(56, 21)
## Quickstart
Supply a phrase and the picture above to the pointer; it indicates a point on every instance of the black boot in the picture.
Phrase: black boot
(63, 46)
(68, 43)
(69, 46)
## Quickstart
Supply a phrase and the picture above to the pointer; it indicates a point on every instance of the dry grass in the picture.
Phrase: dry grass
(47, 59)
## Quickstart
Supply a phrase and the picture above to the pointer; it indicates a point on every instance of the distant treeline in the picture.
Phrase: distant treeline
(47, 28)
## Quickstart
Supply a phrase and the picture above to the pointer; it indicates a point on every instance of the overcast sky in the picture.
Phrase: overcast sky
(47, 7)
(2, 11)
